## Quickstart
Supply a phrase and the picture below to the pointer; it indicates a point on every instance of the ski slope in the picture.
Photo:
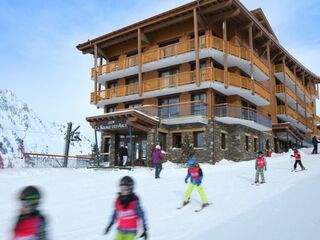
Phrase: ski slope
(79, 202)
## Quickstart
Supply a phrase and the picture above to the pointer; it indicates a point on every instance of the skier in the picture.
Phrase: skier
(31, 224)
(297, 157)
(261, 166)
(196, 175)
(157, 157)
(127, 212)
(315, 145)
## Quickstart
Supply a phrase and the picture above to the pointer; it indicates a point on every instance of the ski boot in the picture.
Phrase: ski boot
(185, 203)
(205, 205)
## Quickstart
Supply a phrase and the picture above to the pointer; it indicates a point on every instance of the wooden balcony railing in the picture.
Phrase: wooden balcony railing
(228, 110)
(285, 69)
(156, 54)
(281, 88)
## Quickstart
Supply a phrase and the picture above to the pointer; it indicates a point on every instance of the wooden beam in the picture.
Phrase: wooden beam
(216, 7)
(270, 69)
(138, 126)
(258, 35)
(95, 56)
(139, 63)
(277, 55)
(225, 53)
(144, 38)
(244, 27)
(285, 86)
(101, 53)
(251, 59)
(203, 21)
(225, 15)
(196, 45)
(263, 45)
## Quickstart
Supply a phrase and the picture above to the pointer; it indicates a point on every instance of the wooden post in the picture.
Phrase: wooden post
(225, 55)
(285, 85)
(196, 46)
(95, 73)
(304, 95)
(251, 58)
(139, 63)
(296, 89)
(270, 70)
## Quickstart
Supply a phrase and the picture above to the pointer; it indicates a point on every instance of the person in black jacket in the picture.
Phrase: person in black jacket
(315, 145)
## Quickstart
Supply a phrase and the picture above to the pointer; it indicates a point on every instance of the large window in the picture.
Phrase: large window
(223, 141)
(255, 144)
(198, 107)
(111, 109)
(176, 140)
(198, 139)
(163, 141)
(247, 143)
(169, 107)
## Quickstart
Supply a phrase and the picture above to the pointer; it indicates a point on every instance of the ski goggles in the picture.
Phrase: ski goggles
(29, 203)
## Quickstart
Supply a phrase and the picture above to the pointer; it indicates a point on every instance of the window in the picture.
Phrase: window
(198, 139)
(199, 106)
(247, 143)
(170, 107)
(255, 144)
(111, 109)
(134, 105)
(176, 140)
(163, 141)
(223, 141)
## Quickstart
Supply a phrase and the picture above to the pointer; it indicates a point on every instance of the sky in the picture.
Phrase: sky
(39, 61)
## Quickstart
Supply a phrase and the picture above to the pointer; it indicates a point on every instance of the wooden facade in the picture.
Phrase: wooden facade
(207, 56)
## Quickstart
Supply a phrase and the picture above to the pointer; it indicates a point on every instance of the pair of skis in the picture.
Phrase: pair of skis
(197, 210)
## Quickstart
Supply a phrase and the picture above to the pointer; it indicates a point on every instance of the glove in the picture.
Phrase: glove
(144, 234)
(186, 180)
(107, 229)
(198, 181)
(265, 168)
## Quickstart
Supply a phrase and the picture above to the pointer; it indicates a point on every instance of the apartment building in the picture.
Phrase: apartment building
(210, 70)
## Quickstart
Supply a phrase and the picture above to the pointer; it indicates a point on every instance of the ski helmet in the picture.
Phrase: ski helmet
(260, 153)
(191, 162)
(127, 184)
(30, 197)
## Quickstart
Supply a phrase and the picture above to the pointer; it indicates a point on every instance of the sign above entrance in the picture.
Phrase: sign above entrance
(112, 125)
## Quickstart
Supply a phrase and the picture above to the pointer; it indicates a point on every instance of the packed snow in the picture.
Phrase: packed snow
(79, 202)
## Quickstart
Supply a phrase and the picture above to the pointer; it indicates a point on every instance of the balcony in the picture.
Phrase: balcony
(160, 57)
(179, 113)
(289, 115)
(231, 114)
(185, 81)
(291, 81)
(281, 91)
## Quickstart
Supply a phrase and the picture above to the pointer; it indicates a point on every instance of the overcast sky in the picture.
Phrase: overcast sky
(39, 61)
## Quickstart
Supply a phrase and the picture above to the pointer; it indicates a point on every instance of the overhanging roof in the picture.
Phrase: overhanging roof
(183, 13)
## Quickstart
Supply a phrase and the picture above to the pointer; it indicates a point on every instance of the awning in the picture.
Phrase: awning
(120, 120)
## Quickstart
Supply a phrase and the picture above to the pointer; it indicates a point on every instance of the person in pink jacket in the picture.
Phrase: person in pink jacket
(157, 157)
(261, 166)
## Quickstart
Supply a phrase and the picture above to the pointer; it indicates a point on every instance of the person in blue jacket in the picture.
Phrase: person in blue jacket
(195, 174)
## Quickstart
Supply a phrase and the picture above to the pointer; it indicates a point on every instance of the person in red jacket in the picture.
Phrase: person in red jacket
(127, 212)
(31, 224)
(297, 157)
(261, 166)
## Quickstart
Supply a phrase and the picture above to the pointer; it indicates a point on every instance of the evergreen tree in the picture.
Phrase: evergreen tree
(1, 162)
(187, 149)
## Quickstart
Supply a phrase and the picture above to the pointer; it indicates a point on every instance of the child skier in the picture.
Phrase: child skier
(127, 212)
(297, 157)
(261, 166)
(31, 224)
(196, 175)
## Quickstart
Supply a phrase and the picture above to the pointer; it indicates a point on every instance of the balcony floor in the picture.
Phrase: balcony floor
(248, 123)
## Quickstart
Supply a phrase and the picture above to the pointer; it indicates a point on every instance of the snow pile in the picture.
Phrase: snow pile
(20, 123)
(79, 202)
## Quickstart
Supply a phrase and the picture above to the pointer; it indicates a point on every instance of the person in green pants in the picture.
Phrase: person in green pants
(195, 174)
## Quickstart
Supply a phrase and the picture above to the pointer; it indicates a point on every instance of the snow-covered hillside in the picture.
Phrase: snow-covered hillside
(79, 202)
(19, 123)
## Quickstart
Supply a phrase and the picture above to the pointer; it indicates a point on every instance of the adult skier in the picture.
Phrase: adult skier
(31, 224)
(127, 212)
(195, 174)
(261, 166)
(297, 156)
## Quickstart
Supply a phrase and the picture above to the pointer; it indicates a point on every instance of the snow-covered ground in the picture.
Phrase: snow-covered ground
(78, 202)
